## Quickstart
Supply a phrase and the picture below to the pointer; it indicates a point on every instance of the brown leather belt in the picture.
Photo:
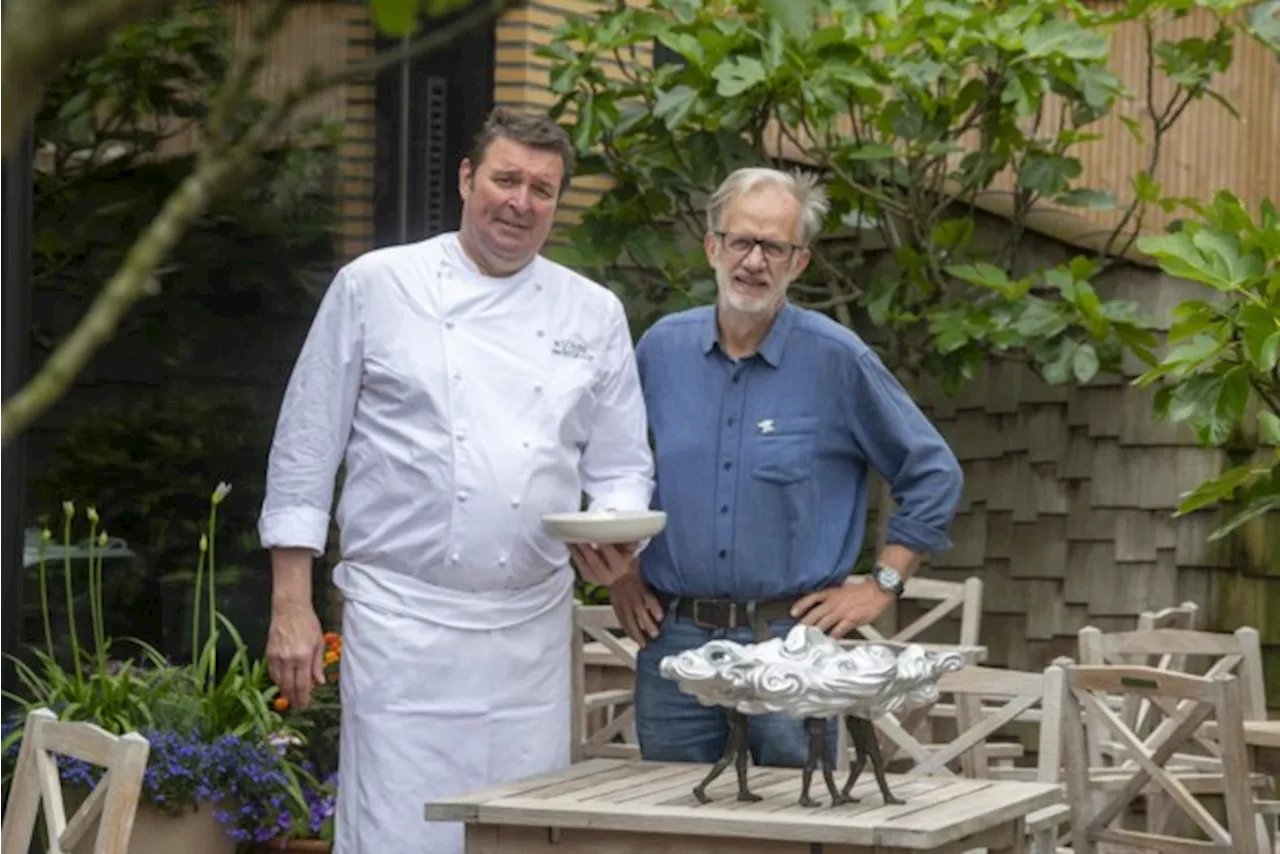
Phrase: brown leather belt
(733, 613)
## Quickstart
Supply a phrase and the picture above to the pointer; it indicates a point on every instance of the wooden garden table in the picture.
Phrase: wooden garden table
(627, 806)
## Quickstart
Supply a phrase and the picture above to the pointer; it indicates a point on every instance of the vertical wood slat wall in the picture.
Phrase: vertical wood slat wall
(316, 31)
(356, 154)
(1207, 150)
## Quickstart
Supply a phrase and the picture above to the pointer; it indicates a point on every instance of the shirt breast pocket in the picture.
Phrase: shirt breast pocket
(783, 449)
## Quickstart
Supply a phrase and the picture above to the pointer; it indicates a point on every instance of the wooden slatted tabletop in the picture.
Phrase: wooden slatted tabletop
(620, 797)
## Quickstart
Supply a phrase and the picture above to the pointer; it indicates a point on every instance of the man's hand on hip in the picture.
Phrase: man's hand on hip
(295, 652)
(637, 609)
(839, 610)
(604, 564)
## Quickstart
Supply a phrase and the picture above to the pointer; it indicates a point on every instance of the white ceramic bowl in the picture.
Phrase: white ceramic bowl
(605, 526)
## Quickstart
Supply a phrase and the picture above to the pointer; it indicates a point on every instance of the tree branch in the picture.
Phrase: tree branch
(135, 278)
(38, 40)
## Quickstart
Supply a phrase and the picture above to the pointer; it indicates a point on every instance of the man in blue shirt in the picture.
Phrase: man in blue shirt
(765, 418)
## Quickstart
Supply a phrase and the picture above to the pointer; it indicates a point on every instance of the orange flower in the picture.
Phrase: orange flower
(331, 657)
(281, 704)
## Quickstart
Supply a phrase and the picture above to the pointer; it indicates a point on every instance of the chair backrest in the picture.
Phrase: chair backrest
(1238, 653)
(949, 595)
(603, 723)
(986, 700)
(1190, 700)
(113, 803)
(1184, 616)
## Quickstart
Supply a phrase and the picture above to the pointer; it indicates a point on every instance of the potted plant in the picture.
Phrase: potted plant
(306, 828)
(309, 742)
(215, 776)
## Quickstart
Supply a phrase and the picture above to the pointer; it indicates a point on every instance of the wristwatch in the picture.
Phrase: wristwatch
(888, 579)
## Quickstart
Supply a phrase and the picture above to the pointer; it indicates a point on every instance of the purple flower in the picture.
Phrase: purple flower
(246, 780)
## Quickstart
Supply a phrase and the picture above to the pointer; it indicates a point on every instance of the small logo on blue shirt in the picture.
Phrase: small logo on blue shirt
(765, 427)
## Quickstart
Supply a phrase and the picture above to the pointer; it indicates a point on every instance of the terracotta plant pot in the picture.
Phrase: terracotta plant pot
(194, 832)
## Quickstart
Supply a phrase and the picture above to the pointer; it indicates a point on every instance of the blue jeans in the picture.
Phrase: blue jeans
(673, 726)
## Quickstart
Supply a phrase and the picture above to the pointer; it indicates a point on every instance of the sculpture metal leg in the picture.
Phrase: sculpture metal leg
(819, 750)
(735, 749)
(744, 794)
(863, 736)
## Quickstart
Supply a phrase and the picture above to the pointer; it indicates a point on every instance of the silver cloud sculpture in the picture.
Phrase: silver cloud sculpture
(809, 675)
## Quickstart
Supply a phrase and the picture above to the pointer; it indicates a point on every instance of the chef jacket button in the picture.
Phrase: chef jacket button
(515, 502)
(461, 437)
(448, 324)
(502, 561)
(541, 333)
(457, 378)
(462, 496)
(455, 557)
(538, 389)
(525, 443)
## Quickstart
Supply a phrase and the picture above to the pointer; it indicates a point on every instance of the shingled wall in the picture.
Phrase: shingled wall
(1067, 513)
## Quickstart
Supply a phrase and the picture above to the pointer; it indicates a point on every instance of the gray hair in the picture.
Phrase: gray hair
(802, 186)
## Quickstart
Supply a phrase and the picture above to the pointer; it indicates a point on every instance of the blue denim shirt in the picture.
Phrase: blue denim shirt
(762, 463)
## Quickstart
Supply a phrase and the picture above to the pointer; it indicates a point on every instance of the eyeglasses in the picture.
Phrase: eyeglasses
(742, 244)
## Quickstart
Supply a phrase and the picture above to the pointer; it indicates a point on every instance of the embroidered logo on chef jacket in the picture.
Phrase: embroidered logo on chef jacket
(572, 348)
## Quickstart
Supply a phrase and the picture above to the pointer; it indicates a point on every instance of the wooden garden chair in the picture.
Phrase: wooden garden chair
(986, 700)
(948, 597)
(604, 719)
(1188, 700)
(111, 805)
(1212, 654)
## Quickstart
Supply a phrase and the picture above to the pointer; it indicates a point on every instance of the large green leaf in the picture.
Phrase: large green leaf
(738, 74)
(1260, 330)
(1206, 256)
(1269, 427)
(395, 17)
(1218, 489)
(1065, 38)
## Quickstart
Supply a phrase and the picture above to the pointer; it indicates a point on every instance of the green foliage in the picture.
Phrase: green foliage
(99, 184)
(120, 693)
(1221, 375)
(403, 17)
(911, 110)
(150, 460)
(149, 82)
(245, 276)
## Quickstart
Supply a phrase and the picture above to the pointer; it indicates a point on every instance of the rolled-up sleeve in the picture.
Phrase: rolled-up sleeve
(924, 476)
(617, 463)
(314, 424)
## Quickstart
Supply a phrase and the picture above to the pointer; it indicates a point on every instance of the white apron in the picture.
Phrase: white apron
(432, 710)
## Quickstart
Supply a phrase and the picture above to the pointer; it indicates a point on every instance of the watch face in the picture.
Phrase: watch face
(888, 577)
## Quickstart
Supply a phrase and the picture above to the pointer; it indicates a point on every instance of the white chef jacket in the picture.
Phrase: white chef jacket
(465, 408)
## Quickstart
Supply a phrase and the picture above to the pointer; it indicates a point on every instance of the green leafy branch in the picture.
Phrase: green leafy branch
(1221, 375)
(912, 111)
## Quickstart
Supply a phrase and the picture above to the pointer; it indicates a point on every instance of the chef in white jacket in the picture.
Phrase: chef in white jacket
(469, 386)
